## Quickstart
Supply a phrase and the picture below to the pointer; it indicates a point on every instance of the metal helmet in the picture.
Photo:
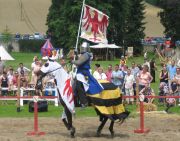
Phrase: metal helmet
(84, 47)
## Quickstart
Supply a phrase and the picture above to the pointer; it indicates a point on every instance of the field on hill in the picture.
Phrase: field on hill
(24, 16)
(162, 127)
(153, 27)
(29, 16)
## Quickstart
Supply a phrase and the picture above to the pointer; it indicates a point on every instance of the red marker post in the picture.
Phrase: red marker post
(141, 129)
(35, 132)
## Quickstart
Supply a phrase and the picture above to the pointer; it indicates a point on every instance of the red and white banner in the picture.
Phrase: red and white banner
(68, 95)
(94, 25)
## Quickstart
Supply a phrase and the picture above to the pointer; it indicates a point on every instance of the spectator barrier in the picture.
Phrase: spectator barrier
(22, 90)
(36, 98)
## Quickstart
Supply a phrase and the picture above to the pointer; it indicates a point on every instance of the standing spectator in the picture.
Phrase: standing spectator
(128, 84)
(96, 74)
(22, 69)
(164, 75)
(152, 69)
(4, 83)
(117, 76)
(15, 79)
(2, 66)
(171, 69)
(134, 71)
(144, 77)
(122, 80)
(35, 69)
(109, 73)
(122, 63)
(100, 75)
(175, 85)
(10, 76)
(63, 63)
(145, 56)
(23, 80)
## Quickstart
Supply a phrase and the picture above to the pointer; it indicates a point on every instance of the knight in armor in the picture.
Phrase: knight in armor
(85, 83)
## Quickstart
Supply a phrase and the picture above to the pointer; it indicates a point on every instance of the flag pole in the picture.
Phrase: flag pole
(80, 21)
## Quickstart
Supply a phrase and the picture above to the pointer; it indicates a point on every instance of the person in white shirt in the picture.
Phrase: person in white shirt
(21, 69)
(96, 74)
(101, 75)
(2, 66)
(128, 84)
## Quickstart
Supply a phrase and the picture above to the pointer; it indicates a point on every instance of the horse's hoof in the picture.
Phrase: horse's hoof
(73, 131)
(98, 134)
(112, 134)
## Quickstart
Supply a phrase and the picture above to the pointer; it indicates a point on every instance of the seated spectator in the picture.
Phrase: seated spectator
(147, 91)
(170, 102)
(49, 85)
(4, 83)
(163, 91)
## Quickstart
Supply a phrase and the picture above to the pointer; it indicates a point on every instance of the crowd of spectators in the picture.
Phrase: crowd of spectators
(129, 78)
(27, 77)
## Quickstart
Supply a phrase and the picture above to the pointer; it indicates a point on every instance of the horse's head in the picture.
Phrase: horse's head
(48, 68)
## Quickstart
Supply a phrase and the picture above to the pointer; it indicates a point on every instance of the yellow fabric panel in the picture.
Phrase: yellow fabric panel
(111, 110)
(107, 94)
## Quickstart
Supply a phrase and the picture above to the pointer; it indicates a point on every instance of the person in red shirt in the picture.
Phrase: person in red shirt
(109, 73)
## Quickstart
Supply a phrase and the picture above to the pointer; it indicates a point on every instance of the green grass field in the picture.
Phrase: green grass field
(10, 109)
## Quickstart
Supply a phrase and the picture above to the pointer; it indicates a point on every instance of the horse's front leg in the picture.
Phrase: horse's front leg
(103, 122)
(111, 128)
(67, 119)
(64, 120)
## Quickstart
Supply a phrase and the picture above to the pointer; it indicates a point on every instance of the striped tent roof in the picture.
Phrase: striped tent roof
(46, 48)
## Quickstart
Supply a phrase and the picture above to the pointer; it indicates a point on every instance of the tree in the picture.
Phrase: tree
(170, 18)
(63, 20)
(135, 26)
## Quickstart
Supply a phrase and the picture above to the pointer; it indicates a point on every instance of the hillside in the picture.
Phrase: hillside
(153, 26)
(24, 16)
(29, 16)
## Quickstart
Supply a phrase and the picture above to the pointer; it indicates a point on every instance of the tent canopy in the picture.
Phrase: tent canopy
(100, 45)
(4, 54)
(102, 55)
(46, 48)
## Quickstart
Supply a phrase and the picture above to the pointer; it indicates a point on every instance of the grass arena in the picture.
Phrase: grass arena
(163, 127)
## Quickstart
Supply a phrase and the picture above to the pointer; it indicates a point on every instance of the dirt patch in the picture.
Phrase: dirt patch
(162, 127)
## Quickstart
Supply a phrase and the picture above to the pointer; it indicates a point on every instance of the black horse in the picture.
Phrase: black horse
(108, 104)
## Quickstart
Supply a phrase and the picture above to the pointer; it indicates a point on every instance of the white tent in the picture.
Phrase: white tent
(107, 46)
(4, 54)
(100, 45)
